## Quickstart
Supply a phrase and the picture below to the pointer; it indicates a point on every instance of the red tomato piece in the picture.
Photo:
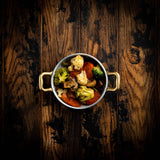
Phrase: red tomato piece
(74, 73)
(70, 101)
(88, 66)
(97, 95)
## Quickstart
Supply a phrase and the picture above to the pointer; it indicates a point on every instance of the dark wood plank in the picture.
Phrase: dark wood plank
(21, 67)
(137, 67)
(1, 101)
(60, 37)
(157, 4)
(156, 139)
(99, 38)
(2, 20)
(1, 81)
(123, 35)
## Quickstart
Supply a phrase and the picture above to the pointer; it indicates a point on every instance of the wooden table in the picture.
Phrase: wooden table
(123, 35)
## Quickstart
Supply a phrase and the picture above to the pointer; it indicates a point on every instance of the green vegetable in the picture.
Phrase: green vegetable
(65, 63)
(97, 72)
(61, 75)
(83, 93)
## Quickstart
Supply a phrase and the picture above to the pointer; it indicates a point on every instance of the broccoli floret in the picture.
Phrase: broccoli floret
(61, 75)
(83, 93)
(97, 72)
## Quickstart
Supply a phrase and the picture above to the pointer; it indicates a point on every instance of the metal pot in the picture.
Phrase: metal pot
(91, 58)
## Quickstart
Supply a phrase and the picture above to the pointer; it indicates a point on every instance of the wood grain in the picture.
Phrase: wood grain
(36, 35)
(1, 80)
(137, 66)
(99, 38)
(156, 139)
(157, 4)
(60, 37)
(20, 74)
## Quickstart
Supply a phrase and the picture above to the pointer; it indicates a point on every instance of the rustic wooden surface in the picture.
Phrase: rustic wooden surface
(123, 35)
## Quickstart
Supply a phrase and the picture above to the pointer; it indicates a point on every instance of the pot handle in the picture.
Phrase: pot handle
(117, 81)
(41, 81)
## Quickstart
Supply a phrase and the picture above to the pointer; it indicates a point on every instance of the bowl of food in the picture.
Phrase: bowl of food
(79, 81)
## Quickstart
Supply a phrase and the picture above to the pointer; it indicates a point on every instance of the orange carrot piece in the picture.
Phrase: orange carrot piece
(70, 101)
(88, 66)
(94, 99)
(74, 73)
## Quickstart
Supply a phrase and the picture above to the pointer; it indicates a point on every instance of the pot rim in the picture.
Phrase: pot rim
(82, 106)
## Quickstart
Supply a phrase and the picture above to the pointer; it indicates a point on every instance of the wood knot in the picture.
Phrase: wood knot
(135, 54)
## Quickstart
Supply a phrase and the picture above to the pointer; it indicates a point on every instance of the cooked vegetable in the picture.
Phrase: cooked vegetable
(83, 93)
(91, 83)
(88, 66)
(70, 68)
(74, 73)
(60, 91)
(94, 99)
(82, 78)
(79, 82)
(61, 75)
(97, 72)
(99, 85)
(71, 94)
(71, 83)
(77, 62)
(65, 63)
(70, 101)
